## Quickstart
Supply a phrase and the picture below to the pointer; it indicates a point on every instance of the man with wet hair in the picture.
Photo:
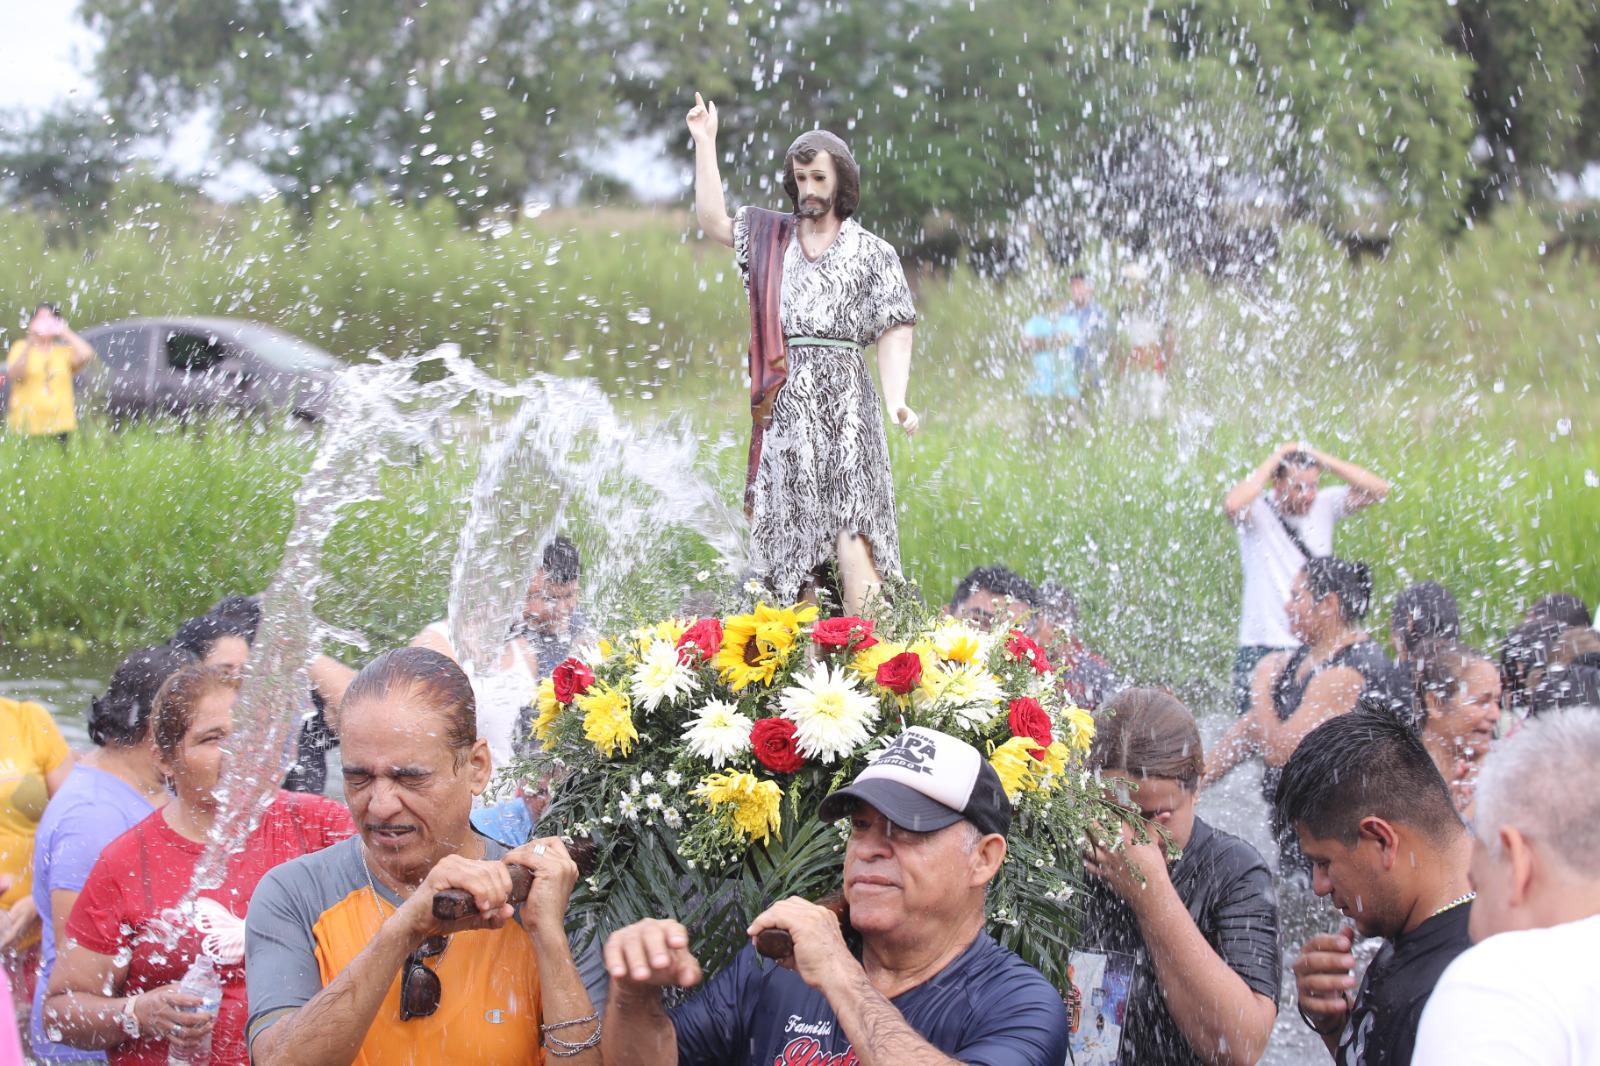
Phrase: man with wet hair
(822, 289)
(1377, 823)
(1563, 608)
(926, 985)
(1279, 533)
(346, 961)
(1536, 921)
(991, 595)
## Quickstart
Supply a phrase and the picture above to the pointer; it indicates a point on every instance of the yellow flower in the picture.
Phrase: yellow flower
(668, 630)
(756, 646)
(607, 720)
(549, 707)
(1081, 722)
(1055, 761)
(958, 642)
(864, 664)
(755, 803)
(1018, 769)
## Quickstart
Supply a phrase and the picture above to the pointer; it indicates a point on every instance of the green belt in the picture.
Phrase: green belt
(821, 342)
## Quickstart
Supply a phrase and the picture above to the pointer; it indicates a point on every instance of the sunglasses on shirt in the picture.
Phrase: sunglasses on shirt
(419, 986)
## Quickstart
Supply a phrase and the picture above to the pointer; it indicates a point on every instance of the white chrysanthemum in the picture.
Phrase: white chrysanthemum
(672, 817)
(831, 715)
(718, 732)
(674, 779)
(957, 641)
(628, 808)
(661, 678)
(970, 692)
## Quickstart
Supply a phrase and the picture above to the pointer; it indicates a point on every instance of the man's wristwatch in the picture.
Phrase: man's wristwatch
(128, 1020)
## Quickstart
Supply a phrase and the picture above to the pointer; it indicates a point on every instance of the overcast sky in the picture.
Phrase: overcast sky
(47, 53)
(48, 56)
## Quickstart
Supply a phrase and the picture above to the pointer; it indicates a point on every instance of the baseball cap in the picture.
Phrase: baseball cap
(925, 780)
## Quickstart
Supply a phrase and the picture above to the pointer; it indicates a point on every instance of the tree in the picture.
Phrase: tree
(1528, 88)
(473, 100)
(64, 162)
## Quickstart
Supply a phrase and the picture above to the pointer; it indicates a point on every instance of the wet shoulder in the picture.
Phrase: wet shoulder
(317, 880)
(991, 976)
(1225, 855)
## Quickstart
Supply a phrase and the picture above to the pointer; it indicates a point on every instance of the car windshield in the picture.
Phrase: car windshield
(284, 351)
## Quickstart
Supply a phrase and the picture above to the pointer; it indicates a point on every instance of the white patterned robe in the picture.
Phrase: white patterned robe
(824, 465)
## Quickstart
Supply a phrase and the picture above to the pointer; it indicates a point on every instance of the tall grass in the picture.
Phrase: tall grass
(1466, 373)
(123, 535)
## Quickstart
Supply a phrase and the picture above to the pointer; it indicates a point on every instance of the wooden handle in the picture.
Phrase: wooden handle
(454, 904)
(778, 944)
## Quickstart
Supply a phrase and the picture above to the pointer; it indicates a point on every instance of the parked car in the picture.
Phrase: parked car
(187, 366)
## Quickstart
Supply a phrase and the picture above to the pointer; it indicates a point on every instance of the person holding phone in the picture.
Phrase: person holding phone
(40, 368)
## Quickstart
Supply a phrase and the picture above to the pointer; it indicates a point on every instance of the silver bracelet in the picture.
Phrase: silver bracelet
(565, 1049)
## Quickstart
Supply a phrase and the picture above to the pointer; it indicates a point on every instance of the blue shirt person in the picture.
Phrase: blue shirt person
(1067, 345)
(924, 984)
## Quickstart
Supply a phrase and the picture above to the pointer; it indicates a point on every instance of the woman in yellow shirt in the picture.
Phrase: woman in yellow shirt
(40, 369)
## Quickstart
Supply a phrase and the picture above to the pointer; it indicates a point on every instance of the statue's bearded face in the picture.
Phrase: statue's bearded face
(817, 184)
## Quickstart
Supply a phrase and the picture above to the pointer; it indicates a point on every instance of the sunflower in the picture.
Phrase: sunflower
(549, 708)
(756, 646)
(607, 720)
(755, 803)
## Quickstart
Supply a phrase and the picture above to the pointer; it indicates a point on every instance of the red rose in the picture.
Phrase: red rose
(901, 674)
(837, 634)
(1023, 649)
(1027, 719)
(700, 642)
(571, 678)
(773, 741)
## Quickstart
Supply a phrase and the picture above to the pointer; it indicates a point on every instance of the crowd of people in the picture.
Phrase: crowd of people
(1443, 798)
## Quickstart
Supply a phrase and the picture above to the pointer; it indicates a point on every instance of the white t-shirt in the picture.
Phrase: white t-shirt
(1271, 562)
(1529, 997)
(500, 697)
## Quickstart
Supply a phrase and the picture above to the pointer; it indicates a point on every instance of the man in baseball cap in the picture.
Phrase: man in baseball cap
(926, 780)
(928, 821)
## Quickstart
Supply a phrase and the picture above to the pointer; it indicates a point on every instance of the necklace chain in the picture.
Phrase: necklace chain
(377, 899)
(1458, 901)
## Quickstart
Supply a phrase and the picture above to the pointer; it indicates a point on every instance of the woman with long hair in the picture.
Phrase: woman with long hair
(1336, 666)
(110, 790)
(1456, 700)
(132, 935)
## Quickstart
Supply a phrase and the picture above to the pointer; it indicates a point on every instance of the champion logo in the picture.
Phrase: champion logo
(807, 1051)
(494, 1017)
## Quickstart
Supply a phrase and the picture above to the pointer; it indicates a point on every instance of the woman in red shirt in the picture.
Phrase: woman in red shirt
(129, 942)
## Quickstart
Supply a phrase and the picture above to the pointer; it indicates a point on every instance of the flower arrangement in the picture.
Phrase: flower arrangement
(695, 752)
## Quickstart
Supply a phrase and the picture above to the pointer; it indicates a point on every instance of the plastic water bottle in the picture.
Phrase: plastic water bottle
(203, 983)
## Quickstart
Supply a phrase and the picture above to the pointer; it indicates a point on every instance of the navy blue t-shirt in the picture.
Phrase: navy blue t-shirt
(987, 1008)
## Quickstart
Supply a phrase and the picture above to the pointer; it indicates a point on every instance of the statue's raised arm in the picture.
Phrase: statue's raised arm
(709, 208)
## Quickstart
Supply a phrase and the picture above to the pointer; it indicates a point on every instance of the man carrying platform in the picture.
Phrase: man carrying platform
(928, 823)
